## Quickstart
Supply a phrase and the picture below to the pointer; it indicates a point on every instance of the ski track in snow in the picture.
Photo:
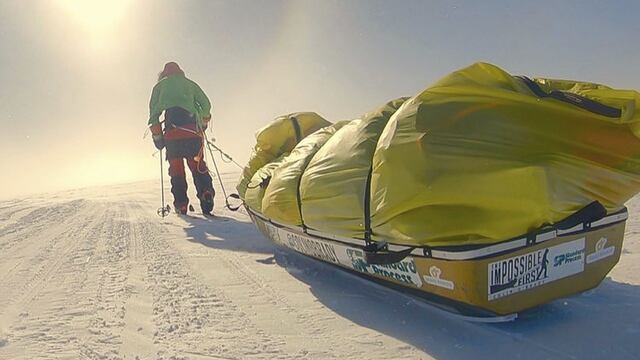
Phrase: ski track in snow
(96, 274)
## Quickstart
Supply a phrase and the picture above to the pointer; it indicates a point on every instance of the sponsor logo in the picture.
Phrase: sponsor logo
(434, 279)
(530, 270)
(404, 271)
(601, 251)
(308, 246)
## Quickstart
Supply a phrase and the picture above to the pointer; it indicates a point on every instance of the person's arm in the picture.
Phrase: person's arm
(154, 120)
(203, 103)
(154, 114)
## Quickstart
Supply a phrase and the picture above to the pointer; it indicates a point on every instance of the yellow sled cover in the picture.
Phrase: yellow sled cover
(280, 201)
(477, 158)
(277, 139)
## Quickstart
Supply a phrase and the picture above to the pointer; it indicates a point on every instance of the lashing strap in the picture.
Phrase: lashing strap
(573, 99)
(378, 254)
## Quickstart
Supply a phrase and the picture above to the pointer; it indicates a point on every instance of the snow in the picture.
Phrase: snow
(95, 273)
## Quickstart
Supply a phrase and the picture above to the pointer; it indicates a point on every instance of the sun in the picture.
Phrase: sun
(98, 18)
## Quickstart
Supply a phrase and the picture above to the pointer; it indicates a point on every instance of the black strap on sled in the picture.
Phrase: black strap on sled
(299, 199)
(594, 211)
(264, 182)
(367, 208)
(378, 253)
(590, 213)
(296, 128)
(573, 99)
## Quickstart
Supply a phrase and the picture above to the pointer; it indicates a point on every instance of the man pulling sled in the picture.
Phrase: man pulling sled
(187, 112)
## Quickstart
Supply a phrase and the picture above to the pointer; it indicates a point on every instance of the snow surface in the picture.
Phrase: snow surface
(96, 274)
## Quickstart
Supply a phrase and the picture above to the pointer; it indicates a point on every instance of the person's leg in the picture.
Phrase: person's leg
(178, 184)
(203, 182)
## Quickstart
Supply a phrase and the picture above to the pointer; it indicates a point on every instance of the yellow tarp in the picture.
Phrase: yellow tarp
(280, 201)
(479, 157)
(339, 171)
(277, 138)
(256, 187)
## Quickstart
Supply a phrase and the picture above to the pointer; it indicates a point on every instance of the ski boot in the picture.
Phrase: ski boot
(206, 202)
(182, 208)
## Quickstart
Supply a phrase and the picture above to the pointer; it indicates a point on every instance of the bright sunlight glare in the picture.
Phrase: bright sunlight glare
(98, 18)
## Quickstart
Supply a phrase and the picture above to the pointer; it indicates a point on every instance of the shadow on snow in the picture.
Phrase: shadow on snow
(601, 323)
(227, 233)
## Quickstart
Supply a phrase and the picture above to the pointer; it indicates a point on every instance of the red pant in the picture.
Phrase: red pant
(176, 166)
(201, 179)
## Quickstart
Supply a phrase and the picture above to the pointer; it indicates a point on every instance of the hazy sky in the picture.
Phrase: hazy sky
(75, 76)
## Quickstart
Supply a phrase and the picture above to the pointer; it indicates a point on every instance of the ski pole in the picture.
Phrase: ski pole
(164, 210)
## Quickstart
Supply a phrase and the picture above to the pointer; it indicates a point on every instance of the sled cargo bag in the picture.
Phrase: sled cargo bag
(482, 156)
(278, 138)
(280, 201)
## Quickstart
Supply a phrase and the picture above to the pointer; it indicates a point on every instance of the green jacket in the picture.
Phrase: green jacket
(177, 90)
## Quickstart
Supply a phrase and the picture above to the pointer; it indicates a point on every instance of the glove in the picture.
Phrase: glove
(158, 141)
(205, 122)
